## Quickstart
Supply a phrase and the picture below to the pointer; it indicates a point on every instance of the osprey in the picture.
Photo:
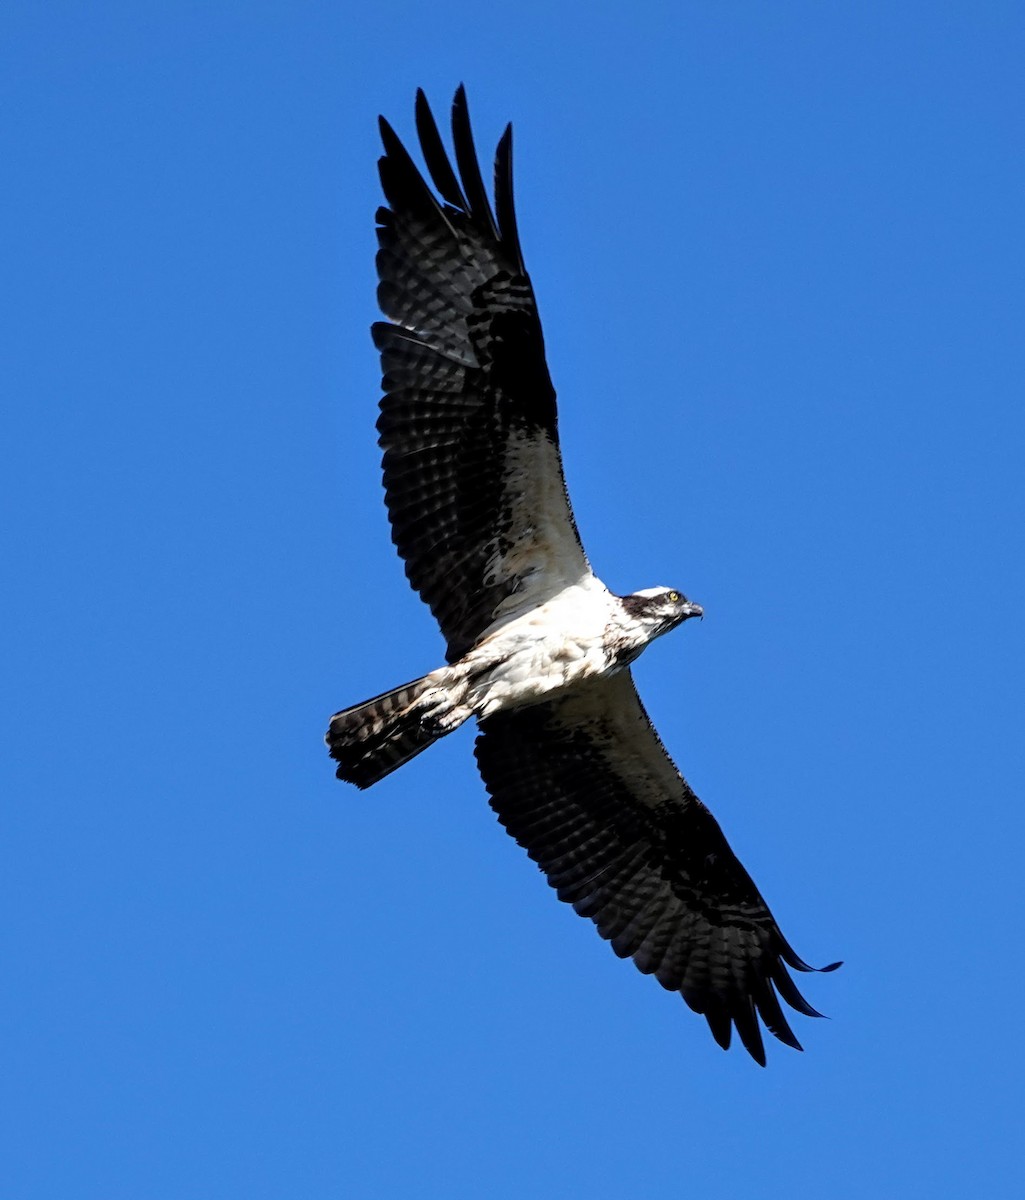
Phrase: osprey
(539, 650)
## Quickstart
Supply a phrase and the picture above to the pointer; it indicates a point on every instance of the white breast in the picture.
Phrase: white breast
(553, 646)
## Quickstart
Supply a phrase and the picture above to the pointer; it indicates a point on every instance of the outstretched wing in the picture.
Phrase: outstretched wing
(584, 784)
(472, 471)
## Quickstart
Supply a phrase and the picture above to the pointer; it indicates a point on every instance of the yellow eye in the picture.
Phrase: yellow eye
(673, 597)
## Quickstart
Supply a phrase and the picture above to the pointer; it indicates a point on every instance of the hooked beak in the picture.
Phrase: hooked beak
(691, 610)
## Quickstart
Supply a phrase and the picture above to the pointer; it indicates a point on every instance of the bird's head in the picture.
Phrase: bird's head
(660, 609)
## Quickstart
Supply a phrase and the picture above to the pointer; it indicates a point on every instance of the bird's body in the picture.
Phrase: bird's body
(539, 649)
(561, 643)
(581, 633)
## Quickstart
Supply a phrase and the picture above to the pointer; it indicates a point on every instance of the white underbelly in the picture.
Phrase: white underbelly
(559, 645)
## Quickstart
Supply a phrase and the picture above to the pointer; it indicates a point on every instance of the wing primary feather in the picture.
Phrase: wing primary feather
(402, 183)
(398, 171)
(746, 1020)
(788, 990)
(793, 959)
(469, 168)
(720, 1025)
(505, 205)
(771, 1013)
(435, 156)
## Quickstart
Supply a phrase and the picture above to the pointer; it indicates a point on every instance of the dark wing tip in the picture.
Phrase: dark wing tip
(388, 135)
(745, 1017)
(757, 1004)
(460, 185)
(505, 206)
(789, 992)
(790, 956)
(721, 1026)
(469, 168)
(435, 155)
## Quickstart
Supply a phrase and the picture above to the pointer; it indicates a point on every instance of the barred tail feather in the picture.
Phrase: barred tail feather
(372, 739)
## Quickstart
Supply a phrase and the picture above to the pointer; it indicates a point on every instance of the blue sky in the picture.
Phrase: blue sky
(778, 254)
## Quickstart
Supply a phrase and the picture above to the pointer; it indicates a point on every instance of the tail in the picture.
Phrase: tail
(372, 739)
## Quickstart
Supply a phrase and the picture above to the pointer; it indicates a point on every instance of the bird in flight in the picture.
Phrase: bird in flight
(539, 650)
